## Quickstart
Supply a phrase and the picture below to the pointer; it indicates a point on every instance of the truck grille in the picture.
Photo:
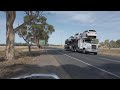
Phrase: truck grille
(93, 46)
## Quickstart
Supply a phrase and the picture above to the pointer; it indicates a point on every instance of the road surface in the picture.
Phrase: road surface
(87, 66)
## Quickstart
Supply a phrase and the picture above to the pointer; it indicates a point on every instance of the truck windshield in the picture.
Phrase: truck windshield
(87, 40)
(92, 41)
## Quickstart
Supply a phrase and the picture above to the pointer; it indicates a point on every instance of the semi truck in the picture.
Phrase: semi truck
(85, 42)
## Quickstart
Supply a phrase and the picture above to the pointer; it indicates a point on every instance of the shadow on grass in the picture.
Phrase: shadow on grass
(30, 54)
(2, 59)
(36, 53)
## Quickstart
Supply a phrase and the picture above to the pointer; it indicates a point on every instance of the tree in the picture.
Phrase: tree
(38, 29)
(42, 30)
(112, 44)
(10, 32)
(101, 44)
(31, 17)
(22, 30)
(44, 34)
(118, 43)
(106, 43)
(10, 35)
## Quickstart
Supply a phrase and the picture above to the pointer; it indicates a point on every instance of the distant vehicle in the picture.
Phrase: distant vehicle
(70, 38)
(85, 42)
(77, 35)
(89, 33)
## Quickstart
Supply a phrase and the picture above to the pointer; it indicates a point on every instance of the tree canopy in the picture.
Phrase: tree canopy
(36, 30)
(110, 44)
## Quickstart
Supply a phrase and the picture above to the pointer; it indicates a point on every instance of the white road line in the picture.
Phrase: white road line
(91, 65)
(109, 60)
(99, 57)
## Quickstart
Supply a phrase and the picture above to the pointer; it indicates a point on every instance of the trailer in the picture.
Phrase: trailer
(84, 44)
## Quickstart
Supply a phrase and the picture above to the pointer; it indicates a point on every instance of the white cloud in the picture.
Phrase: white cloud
(75, 16)
(66, 13)
(88, 17)
(83, 18)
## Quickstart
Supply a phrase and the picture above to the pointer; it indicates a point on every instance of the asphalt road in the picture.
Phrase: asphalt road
(87, 66)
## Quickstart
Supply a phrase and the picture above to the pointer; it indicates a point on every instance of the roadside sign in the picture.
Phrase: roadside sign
(42, 42)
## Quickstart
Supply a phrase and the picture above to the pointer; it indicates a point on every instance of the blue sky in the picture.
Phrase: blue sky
(67, 23)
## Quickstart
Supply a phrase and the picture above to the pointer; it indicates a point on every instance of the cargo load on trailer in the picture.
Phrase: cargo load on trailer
(85, 42)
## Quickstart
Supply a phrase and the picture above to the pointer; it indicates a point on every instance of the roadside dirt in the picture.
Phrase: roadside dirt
(36, 62)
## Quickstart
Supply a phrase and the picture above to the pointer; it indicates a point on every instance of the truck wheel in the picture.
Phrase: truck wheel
(84, 51)
(95, 53)
(75, 49)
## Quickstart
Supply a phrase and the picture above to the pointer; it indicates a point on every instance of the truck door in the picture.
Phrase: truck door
(80, 43)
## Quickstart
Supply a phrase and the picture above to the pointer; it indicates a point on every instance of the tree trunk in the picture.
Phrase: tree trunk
(38, 43)
(29, 47)
(10, 35)
(28, 43)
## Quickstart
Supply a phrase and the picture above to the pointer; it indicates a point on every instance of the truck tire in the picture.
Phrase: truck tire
(75, 49)
(95, 53)
(84, 51)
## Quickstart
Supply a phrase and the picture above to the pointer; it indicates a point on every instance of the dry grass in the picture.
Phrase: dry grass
(8, 68)
(112, 51)
(18, 49)
(23, 59)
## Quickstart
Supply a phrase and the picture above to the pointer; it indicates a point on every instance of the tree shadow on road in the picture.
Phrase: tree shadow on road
(70, 71)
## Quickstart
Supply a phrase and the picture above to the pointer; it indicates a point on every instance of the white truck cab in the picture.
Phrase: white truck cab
(87, 45)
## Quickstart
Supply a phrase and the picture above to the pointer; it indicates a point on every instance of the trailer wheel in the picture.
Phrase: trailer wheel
(75, 49)
(95, 53)
(84, 51)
